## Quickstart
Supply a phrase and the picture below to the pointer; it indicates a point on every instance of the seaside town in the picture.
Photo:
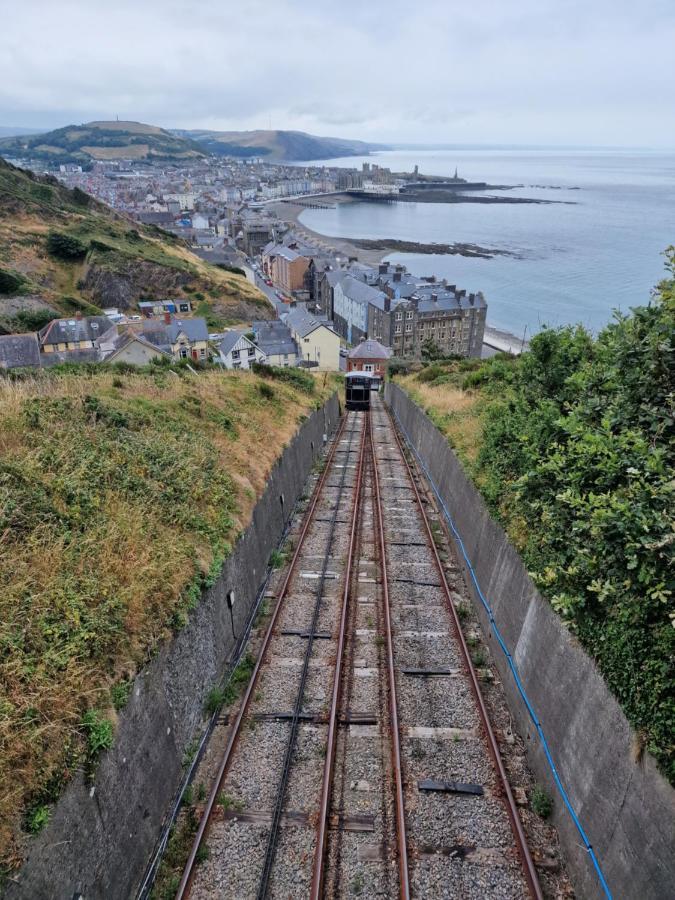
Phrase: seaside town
(336, 308)
(336, 451)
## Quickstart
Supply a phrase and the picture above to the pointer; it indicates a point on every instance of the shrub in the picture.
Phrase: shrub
(80, 197)
(120, 693)
(37, 818)
(32, 319)
(214, 700)
(266, 391)
(576, 460)
(65, 246)
(11, 282)
(276, 559)
(296, 377)
(541, 802)
(234, 269)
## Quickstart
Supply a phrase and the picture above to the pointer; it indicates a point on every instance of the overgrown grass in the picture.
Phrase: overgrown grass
(120, 495)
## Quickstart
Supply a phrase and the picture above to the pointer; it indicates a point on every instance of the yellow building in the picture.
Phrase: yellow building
(318, 344)
(79, 333)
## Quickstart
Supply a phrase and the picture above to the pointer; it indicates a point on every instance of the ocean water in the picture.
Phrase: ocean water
(598, 251)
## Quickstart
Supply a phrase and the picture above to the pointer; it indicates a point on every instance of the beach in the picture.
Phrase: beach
(373, 252)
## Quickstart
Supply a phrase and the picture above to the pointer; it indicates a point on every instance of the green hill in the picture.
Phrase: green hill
(102, 140)
(276, 145)
(61, 250)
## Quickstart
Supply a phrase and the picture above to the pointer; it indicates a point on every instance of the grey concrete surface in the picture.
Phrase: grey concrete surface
(100, 837)
(626, 807)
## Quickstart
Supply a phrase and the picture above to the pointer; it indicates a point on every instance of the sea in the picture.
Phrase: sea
(597, 249)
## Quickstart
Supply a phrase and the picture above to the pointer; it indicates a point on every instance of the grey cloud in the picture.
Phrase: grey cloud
(530, 71)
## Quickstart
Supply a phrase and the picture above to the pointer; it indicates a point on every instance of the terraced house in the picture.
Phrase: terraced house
(453, 321)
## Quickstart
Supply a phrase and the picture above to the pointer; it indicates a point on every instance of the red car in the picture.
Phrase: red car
(268, 282)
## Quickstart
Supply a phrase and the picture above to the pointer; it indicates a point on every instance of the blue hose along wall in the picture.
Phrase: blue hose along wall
(615, 817)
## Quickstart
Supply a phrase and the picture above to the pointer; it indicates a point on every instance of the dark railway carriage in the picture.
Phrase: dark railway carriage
(357, 390)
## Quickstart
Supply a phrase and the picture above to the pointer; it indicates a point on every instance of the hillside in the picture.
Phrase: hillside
(276, 145)
(120, 496)
(113, 261)
(102, 140)
(572, 447)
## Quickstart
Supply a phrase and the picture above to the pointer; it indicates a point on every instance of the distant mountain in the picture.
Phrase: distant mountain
(102, 140)
(276, 145)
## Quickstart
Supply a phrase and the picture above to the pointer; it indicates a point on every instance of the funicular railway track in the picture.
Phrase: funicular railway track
(361, 760)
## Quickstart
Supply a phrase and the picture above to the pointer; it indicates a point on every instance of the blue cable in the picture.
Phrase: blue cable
(509, 658)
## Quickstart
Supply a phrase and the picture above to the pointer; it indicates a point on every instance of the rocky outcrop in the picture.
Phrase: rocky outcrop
(130, 281)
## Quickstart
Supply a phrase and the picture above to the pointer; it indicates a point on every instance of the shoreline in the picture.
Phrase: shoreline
(372, 252)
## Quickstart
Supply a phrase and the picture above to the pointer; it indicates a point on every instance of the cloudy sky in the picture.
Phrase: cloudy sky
(590, 72)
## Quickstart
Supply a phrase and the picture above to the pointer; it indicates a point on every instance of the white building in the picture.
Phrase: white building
(236, 351)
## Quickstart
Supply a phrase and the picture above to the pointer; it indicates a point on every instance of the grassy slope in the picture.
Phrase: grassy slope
(103, 140)
(31, 207)
(120, 495)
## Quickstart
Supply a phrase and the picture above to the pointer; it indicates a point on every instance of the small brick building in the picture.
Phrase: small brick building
(369, 356)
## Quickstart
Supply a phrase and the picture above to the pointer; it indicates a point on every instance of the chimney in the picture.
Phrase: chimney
(461, 293)
(434, 298)
(167, 318)
(387, 304)
(452, 288)
(397, 276)
(472, 297)
(383, 268)
(78, 315)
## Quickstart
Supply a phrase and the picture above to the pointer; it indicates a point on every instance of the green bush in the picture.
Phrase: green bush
(32, 319)
(266, 391)
(37, 818)
(296, 377)
(541, 803)
(236, 270)
(577, 461)
(11, 282)
(65, 246)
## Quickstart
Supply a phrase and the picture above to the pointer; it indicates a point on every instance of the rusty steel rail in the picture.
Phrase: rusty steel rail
(319, 867)
(528, 866)
(202, 831)
(402, 844)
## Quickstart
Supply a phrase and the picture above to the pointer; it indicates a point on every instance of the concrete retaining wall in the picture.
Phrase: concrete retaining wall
(626, 808)
(100, 838)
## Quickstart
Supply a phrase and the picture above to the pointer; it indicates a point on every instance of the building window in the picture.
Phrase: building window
(236, 365)
(408, 315)
(397, 330)
(251, 351)
(202, 353)
(183, 353)
(408, 327)
(235, 354)
(399, 316)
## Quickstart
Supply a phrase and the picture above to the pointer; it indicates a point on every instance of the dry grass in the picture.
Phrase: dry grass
(456, 412)
(120, 495)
